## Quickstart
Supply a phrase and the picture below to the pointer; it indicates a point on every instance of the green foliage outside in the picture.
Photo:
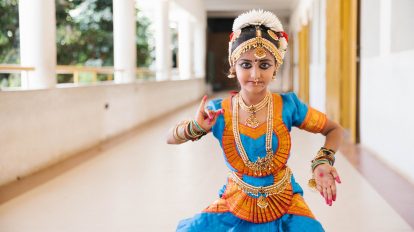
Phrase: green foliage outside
(9, 41)
(84, 37)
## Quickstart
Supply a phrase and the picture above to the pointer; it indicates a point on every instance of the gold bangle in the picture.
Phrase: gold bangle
(176, 133)
(194, 134)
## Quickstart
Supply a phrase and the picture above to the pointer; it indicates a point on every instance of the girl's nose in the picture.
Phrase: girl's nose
(255, 72)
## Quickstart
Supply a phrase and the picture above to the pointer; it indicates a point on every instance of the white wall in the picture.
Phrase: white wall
(312, 12)
(386, 75)
(317, 67)
(42, 127)
(387, 81)
(195, 8)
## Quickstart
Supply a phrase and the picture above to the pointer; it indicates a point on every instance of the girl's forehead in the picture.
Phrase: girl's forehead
(249, 55)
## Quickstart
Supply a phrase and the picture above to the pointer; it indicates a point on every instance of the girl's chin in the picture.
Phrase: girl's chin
(254, 88)
(253, 85)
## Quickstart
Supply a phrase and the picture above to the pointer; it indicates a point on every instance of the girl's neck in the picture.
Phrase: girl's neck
(253, 98)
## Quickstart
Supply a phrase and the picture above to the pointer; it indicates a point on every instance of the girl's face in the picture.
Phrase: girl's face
(254, 75)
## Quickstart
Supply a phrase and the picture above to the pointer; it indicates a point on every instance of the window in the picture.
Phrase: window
(84, 37)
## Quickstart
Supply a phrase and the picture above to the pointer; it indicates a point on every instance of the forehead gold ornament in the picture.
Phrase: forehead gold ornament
(272, 34)
(260, 53)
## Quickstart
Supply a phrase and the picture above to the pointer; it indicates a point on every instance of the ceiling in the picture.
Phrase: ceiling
(232, 8)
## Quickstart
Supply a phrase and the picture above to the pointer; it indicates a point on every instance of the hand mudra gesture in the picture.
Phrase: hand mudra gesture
(205, 117)
(325, 177)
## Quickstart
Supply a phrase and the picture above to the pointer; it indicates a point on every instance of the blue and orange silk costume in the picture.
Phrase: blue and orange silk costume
(236, 210)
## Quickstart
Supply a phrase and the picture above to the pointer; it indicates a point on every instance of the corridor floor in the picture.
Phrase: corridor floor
(142, 184)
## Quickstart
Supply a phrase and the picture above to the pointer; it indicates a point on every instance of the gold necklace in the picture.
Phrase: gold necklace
(261, 164)
(252, 121)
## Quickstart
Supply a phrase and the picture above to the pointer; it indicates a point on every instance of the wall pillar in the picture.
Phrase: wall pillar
(37, 25)
(163, 41)
(185, 48)
(199, 50)
(125, 53)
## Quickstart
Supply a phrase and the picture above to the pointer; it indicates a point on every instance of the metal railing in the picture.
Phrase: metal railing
(77, 72)
(141, 73)
(145, 74)
(12, 68)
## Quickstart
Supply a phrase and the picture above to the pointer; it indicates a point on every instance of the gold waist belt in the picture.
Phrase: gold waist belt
(273, 189)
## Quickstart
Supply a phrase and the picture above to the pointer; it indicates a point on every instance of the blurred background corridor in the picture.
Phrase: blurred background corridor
(89, 89)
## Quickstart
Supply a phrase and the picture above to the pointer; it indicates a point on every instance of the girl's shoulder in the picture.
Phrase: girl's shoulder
(289, 96)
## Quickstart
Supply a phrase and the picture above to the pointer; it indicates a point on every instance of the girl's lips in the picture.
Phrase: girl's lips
(254, 83)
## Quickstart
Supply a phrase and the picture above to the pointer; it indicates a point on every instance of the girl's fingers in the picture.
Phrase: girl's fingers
(319, 188)
(220, 111)
(209, 114)
(325, 194)
(202, 104)
(335, 175)
(329, 193)
(213, 115)
(333, 189)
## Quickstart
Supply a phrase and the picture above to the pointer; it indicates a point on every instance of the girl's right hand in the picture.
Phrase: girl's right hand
(206, 118)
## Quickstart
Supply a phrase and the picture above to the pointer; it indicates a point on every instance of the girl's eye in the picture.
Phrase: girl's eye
(265, 65)
(246, 65)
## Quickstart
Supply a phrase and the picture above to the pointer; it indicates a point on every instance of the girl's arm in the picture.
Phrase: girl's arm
(325, 175)
(334, 134)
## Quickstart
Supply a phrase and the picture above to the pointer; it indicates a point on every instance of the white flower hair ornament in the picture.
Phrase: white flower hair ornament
(259, 30)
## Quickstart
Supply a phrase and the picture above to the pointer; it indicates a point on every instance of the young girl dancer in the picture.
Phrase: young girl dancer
(253, 128)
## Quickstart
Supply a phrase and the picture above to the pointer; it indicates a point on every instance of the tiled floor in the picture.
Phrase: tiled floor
(143, 184)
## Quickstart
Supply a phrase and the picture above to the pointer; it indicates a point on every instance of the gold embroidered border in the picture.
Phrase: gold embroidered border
(314, 121)
(254, 43)
(245, 207)
(282, 152)
(218, 206)
(299, 207)
(253, 133)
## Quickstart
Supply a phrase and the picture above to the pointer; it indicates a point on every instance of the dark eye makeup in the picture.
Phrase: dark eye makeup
(247, 65)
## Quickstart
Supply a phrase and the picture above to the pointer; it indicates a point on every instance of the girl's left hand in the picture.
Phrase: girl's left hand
(325, 176)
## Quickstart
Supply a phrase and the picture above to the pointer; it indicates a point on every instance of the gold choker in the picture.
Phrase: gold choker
(252, 121)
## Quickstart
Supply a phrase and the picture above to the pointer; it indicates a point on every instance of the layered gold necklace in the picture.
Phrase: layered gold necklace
(252, 121)
(262, 164)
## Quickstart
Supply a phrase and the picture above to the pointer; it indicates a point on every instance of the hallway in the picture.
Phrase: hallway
(139, 183)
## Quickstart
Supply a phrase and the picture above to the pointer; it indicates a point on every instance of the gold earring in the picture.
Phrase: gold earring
(274, 76)
(232, 73)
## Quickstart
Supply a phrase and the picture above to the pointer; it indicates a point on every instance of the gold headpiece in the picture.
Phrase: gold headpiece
(259, 30)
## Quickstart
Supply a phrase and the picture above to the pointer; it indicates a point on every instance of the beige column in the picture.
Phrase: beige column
(162, 40)
(125, 54)
(185, 47)
(199, 50)
(37, 25)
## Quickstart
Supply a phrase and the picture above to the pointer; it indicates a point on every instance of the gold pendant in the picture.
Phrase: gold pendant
(252, 121)
(260, 53)
(262, 202)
